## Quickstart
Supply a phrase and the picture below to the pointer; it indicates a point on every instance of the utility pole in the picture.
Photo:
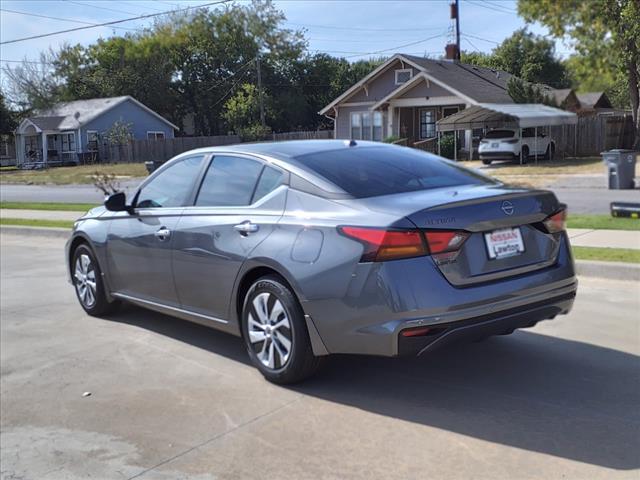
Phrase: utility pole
(458, 30)
(260, 96)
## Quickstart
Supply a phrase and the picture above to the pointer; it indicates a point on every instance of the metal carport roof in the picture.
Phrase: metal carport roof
(496, 115)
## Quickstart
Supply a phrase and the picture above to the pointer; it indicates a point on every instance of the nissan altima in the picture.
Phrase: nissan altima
(310, 248)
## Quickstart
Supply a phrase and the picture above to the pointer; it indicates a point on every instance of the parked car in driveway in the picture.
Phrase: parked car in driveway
(506, 144)
(310, 248)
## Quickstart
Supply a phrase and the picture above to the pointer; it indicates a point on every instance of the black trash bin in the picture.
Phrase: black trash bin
(152, 165)
(621, 168)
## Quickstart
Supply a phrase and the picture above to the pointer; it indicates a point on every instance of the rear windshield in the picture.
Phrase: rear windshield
(373, 171)
(499, 134)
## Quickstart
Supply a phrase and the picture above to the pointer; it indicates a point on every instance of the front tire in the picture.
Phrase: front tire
(87, 280)
(275, 333)
(525, 155)
(486, 161)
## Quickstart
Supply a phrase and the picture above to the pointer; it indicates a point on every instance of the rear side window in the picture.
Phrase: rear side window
(269, 181)
(499, 134)
(229, 181)
(372, 171)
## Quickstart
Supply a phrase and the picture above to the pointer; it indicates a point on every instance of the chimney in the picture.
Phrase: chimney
(451, 51)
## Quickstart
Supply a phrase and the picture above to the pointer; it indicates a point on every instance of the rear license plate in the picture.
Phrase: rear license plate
(503, 243)
(495, 145)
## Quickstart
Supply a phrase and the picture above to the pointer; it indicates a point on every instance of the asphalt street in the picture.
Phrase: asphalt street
(173, 400)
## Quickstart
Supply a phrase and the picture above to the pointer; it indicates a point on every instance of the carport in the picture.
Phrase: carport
(504, 115)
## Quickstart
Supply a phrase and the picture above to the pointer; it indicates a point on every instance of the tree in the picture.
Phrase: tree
(597, 28)
(242, 113)
(8, 118)
(33, 85)
(527, 92)
(119, 133)
(527, 56)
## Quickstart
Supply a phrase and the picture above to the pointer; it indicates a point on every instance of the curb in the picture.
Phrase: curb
(584, 268)
(36, 231)
(629, 272)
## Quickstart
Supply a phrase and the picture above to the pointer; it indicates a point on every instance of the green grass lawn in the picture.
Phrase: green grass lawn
(600, 222)
(72, 175)
(60, 207)
(30, 222)
(626, 255)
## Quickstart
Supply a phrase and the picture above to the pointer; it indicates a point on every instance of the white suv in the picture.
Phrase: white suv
(505, 144)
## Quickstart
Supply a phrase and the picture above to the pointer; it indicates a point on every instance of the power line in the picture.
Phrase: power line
(491, 7)
(29, 14)
(480, 38)
(145, 6)
(99, 8)
(399, 46)
(113, 22)
(337, 27)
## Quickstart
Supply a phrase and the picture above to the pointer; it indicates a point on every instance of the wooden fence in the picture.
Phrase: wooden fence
(593, 135)
(138, 151)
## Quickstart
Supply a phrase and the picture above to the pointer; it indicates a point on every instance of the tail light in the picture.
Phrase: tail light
(556, 222)
(381, 244)
(443, 241)
(387, 244)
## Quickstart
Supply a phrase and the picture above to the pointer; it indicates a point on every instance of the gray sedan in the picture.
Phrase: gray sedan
(310, 248)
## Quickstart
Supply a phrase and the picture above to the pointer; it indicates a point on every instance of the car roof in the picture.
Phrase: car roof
(290, 149)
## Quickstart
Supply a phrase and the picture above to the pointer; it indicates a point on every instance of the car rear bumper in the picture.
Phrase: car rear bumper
(497, 155)
(499, 323)
(386, 298)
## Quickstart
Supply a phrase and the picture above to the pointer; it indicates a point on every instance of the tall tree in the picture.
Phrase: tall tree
(610, 28)
(8, 118)
(530, 57)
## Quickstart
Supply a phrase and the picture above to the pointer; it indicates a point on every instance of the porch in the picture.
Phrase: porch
(416, 125)
(38, 148)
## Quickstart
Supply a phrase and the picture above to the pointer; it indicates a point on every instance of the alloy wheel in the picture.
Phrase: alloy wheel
(269, 331)
(85, 280)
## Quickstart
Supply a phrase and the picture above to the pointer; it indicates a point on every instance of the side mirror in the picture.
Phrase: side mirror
(117, 202)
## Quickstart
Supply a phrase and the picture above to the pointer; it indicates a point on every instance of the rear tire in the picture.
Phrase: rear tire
(275, 333)
(525, 155)
(486, 161)
(87, 280)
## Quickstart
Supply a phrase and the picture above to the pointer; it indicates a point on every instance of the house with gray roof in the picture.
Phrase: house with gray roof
(407, 95)
(69, 132)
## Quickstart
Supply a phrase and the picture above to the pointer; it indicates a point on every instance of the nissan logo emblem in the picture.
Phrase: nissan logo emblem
(507, 207)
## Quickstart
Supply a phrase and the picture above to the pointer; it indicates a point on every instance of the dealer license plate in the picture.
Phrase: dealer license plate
(503, 243)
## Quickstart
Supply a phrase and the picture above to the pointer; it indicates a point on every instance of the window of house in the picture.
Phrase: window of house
(403, 75)
(356, 126)
(427, 123)
(377, 126)
(366, 125)
(4, 145)
(92, 141)
(31, 143)
(172, 186)
(68, 142)
(155, 135)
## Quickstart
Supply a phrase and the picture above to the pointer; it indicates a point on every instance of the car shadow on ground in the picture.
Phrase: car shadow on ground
(535, 392)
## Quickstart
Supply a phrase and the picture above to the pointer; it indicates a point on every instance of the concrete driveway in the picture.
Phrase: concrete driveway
(173, 400)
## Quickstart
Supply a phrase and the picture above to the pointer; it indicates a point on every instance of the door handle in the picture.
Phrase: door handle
(163, 234)
(246, 227)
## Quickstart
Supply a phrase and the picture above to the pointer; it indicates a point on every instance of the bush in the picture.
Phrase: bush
(447, 145)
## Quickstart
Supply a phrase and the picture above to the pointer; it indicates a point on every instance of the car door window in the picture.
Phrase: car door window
(229, 181)
(171, 187)
(270, 179)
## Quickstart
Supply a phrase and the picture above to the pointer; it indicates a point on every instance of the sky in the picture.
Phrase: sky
(350, 28)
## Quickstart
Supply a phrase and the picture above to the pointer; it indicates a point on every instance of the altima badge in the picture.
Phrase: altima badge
(507, 207)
